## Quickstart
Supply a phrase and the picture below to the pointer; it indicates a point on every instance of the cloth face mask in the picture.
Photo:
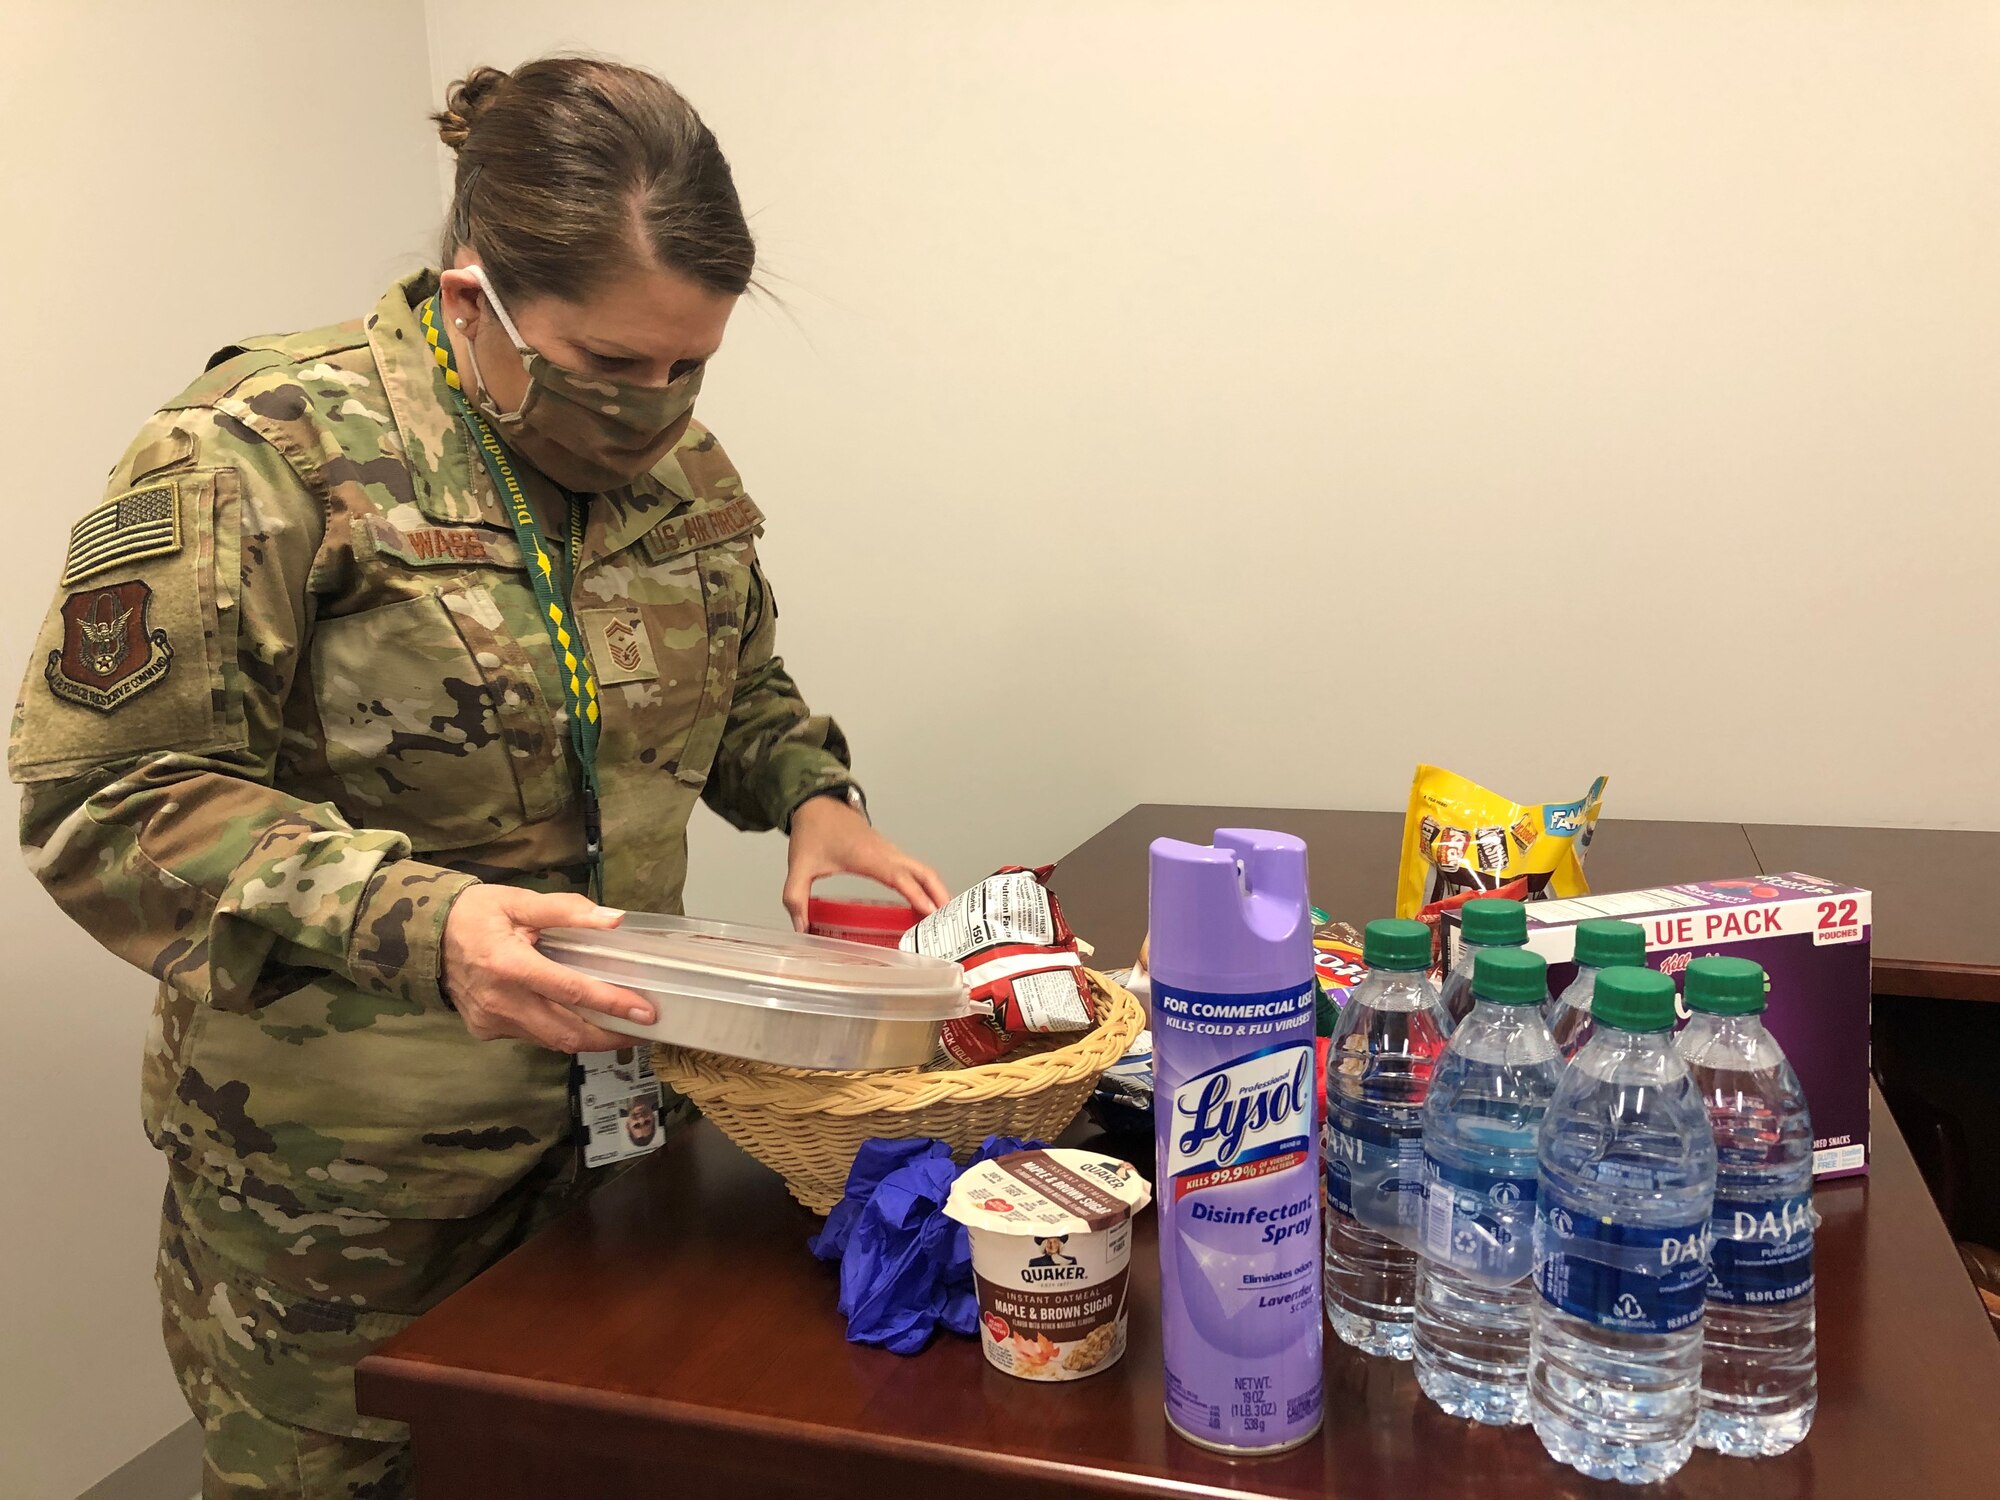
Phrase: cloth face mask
(584, 432)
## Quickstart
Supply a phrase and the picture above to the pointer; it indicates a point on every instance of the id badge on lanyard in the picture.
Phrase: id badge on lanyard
(617, 1102)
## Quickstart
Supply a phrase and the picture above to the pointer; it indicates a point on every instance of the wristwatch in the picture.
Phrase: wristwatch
(848, 792)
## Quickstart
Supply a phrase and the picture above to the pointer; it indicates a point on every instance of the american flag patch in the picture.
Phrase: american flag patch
(145, 523)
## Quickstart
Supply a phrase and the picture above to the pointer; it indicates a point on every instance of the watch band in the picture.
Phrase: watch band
(848, 792)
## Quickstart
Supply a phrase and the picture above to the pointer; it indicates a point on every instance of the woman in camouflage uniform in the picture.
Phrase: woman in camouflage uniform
(394, 643)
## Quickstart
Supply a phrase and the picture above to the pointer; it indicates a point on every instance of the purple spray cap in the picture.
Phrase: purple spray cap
(1232, 918)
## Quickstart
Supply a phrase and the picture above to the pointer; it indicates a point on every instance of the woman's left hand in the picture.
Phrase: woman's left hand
(831, 838)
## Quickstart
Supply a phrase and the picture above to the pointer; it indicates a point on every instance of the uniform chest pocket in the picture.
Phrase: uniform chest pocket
(434, 723)
(666, 657)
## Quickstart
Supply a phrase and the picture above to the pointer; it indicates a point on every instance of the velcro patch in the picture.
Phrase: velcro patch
(444, 546)
(107, 657)
(123, 530)
(620, 648)
(703, 526)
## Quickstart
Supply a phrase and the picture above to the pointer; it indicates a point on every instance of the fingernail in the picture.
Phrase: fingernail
(610, 914)
(643, 1014)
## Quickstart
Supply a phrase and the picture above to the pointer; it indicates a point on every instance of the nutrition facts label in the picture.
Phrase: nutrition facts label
(1049, 1002)
(1010, 909)
(1189, 1411)
(1621, 904)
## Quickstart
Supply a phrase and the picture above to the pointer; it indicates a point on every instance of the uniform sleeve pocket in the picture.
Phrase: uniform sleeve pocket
(138, 653)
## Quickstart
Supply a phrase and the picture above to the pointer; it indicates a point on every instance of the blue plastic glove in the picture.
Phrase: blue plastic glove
(904, 1267)
(876, 1159)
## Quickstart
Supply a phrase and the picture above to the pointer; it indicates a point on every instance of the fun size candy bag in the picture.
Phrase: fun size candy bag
(1461, 841)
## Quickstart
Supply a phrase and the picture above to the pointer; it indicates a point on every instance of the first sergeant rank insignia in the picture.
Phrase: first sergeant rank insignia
(107, 657)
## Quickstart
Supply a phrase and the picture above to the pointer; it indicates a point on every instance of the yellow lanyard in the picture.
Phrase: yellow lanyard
(552, 594)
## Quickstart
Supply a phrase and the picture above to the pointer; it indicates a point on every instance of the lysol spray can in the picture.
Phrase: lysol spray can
(1236, 1140)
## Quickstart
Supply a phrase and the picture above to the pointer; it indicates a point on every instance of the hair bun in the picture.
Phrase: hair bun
(464, 102)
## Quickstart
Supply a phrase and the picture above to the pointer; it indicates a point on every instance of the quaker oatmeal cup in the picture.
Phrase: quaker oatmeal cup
(1051, 1247)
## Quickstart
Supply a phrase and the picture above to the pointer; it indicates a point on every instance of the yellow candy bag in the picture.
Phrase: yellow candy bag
(1460, 841)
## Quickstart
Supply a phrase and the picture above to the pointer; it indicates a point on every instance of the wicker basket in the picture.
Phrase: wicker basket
(807, 1126)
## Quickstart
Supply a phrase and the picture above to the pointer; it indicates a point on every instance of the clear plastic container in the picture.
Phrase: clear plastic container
(772, 996)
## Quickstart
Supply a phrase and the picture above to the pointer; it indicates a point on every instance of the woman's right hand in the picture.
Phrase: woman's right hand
(502, 987)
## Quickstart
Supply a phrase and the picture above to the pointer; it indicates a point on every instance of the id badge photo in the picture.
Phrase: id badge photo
(617, 1102)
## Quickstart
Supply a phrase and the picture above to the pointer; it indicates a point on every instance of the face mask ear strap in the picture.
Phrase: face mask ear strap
(482, 396)
(493, 301)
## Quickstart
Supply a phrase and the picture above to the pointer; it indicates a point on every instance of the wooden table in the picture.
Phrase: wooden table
(1935, 933)
(672, 1337)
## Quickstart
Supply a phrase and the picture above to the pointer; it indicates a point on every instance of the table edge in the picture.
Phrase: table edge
(388, 1375)
(1933, 979)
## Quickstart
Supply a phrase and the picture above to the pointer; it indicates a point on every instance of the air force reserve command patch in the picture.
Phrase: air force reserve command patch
(107, 658)
(123, 530)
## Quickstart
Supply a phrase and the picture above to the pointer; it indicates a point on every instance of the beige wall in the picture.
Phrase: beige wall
(174, 177)
(1244, 402)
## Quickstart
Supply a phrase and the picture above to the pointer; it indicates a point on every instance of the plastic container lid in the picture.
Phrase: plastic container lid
(1605, 944)
(1047, 1190)
(1725, 986)
(1510, 976)
(736, 964)
(889, 918)
(1396, 943)
(1493, 922)
(1633, 999)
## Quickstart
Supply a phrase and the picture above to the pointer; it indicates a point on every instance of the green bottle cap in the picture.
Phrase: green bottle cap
(1493, 922)
(1510, 976)
(1725, 986)
(1396, 944)
(1633, 999)
(1604, 944)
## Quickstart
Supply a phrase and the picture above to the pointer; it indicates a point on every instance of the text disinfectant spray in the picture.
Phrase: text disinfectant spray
(1237, 1151)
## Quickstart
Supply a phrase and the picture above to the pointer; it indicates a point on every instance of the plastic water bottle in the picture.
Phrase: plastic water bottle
(1759, 1383)
(1384, 1050)
(1481, 1122)
(1489, 922)
(1599, 945)
(1627, 1183)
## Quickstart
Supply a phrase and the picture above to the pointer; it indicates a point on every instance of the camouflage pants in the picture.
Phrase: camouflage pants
(268, 1307)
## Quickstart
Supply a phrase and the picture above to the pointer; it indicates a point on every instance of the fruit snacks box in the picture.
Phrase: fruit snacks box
(1811, 936)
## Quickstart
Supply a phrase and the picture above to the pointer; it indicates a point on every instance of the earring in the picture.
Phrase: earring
(458, 322)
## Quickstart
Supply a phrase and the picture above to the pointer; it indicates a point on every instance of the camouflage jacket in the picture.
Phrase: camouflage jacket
(295, 695)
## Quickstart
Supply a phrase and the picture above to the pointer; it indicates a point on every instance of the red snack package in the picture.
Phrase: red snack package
(1020, 959)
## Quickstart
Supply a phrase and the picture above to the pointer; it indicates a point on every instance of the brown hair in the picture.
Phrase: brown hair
(571, 170)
